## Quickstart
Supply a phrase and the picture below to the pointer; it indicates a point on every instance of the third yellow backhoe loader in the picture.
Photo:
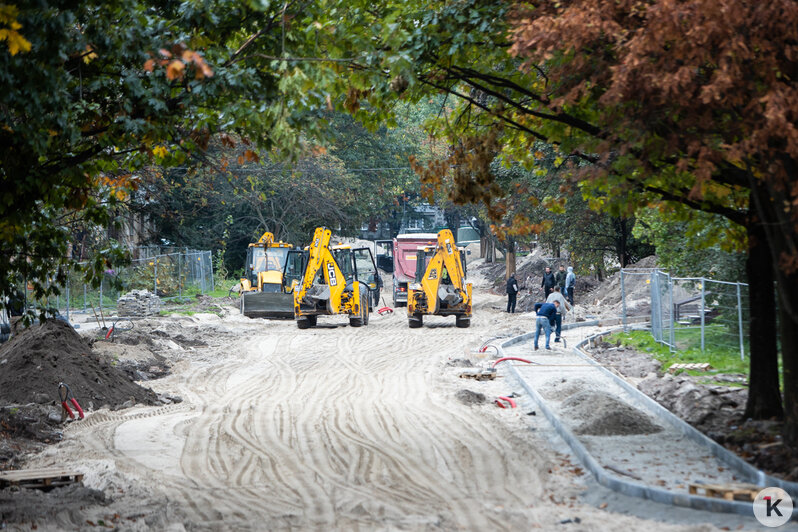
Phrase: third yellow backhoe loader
(440, 288)
(335, 280)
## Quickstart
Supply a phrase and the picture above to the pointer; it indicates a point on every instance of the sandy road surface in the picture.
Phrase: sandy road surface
(328, 428)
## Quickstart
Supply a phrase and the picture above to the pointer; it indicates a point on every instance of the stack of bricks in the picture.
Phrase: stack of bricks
(138, 303)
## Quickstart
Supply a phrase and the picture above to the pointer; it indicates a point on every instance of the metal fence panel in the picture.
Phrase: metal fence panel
(178, 274)
(693, 312)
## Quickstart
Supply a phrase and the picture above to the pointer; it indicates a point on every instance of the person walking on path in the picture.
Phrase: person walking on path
(559, 278)
(546, 313)
(512, 292)
(570, 281)
(562, 309)
(548, 282)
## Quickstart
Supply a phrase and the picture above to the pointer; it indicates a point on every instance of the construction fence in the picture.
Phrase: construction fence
(689, 312)
(172, 275)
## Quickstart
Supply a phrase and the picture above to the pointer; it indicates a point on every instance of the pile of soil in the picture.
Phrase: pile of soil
(564, 389)
(37, 359)
(601, 414)
(467, 397)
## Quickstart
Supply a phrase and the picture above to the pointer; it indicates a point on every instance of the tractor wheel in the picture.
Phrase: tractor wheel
(415, 321)
(303, 322)
(462, 322)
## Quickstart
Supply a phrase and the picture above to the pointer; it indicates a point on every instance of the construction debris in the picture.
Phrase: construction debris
(480, 375)
(139, 303)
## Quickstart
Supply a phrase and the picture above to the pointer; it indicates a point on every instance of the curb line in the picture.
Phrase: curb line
(637, 489)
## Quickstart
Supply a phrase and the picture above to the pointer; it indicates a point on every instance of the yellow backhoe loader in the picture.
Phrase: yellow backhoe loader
(440, 288)
(335, 280)
(263, 292)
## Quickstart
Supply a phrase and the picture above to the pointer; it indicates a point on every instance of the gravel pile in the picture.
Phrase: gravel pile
(596, 413)
(139, 303)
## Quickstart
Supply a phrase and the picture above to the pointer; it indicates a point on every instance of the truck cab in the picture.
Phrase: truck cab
(405, 249)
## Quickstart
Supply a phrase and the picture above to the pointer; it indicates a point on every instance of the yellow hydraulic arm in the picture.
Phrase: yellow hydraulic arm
(324, 289)
(448, 256)
(442, 290)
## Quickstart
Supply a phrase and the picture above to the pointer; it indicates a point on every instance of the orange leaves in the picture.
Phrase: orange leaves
(174, 70)
(119, 186)
(249, 156)
(177, 61)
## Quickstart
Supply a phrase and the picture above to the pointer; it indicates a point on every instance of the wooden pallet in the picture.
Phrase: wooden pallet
(730, 492)
(39, 478)
(704, 366)
(484, 375)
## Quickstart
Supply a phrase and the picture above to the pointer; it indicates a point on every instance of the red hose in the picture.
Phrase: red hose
(503, 398)
(511, 358)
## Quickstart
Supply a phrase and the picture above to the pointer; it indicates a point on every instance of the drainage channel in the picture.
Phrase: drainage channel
(629, 442)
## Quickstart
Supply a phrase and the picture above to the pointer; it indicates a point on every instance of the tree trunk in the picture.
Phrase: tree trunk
(782, 239)
(509, 259)
(789, 353)
(764, 399)
(621, 241)
(483, 247)
(490, 255)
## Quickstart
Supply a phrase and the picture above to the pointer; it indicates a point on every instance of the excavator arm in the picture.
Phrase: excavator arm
(323, 279)
(442, 288)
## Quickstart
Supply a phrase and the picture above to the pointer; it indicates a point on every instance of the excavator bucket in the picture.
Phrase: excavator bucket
(267, 305)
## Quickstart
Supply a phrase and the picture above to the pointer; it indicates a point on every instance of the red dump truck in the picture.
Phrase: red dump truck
(405, 247)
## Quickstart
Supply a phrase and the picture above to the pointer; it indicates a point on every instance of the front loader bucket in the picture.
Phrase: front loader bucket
(267, 305)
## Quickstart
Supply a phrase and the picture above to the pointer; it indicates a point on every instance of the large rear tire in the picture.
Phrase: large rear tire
(462, 322)
(357, 320)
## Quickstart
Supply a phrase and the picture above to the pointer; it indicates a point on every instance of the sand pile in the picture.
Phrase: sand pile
(35, 360)
(596, 413)
(565, 388)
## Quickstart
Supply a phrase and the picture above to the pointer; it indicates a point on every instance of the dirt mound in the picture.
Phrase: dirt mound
(636, 287)
(564, 389)
(601, 414)
(35, 360)
(469, 398)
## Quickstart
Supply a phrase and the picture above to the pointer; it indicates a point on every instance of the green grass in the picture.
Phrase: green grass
(177, 312)
(722, 359)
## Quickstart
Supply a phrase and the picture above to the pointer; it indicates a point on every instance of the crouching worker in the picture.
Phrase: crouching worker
(562, 309)
(547, 318)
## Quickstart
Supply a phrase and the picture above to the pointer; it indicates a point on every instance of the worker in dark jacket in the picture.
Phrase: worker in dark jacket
(512, 292)
(548, 282)
(559, 278)
(547, 318)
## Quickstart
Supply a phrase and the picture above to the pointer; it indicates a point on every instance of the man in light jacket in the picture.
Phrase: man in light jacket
(561, 310)
(570, 281)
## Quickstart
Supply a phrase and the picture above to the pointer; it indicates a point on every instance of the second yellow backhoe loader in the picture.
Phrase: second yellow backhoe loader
(263, 293)
(335, 280)
(440, 288)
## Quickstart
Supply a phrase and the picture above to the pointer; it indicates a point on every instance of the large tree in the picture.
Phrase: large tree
(688, 102)
(91, 92)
